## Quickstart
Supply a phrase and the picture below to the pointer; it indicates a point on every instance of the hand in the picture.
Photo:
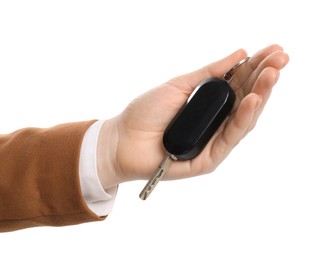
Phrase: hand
(130, 145)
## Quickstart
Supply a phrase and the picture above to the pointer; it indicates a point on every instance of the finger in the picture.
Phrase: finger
(276, 60)
(188, 82)
(259, 56)
(244, 73)
(238, 125)
(263, 87)
(265, 82)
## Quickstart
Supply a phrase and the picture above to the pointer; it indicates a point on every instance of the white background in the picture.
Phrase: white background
(63, 61)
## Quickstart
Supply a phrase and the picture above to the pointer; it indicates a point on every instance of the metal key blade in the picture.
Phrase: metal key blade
(164, 166)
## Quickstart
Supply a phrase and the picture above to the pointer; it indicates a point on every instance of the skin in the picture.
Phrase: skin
(130, 144)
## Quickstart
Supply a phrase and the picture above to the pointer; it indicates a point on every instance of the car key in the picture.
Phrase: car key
(195, 123)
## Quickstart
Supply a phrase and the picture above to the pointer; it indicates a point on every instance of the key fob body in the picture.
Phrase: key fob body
(198, 119)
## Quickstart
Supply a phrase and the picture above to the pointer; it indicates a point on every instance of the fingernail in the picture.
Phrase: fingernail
(277, 76)
(258, 103)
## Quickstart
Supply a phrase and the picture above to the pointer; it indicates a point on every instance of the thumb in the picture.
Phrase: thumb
(189, 81)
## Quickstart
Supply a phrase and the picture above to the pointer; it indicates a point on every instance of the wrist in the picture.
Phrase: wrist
(106, 154)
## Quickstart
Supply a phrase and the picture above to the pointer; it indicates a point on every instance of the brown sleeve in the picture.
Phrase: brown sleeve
(39, 181)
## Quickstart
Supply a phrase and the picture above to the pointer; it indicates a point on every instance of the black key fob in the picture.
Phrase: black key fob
(198, 119)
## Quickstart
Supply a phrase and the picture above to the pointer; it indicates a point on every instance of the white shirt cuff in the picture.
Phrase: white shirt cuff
(98, 200)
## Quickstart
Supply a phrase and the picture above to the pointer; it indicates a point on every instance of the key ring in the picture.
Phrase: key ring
(229, 75)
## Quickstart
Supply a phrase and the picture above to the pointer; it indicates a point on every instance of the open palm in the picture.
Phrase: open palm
(140, 127)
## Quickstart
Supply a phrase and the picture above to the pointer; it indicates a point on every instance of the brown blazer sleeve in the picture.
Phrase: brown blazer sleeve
(39, 181)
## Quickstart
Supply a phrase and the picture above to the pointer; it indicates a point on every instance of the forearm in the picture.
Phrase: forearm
(39, 183)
